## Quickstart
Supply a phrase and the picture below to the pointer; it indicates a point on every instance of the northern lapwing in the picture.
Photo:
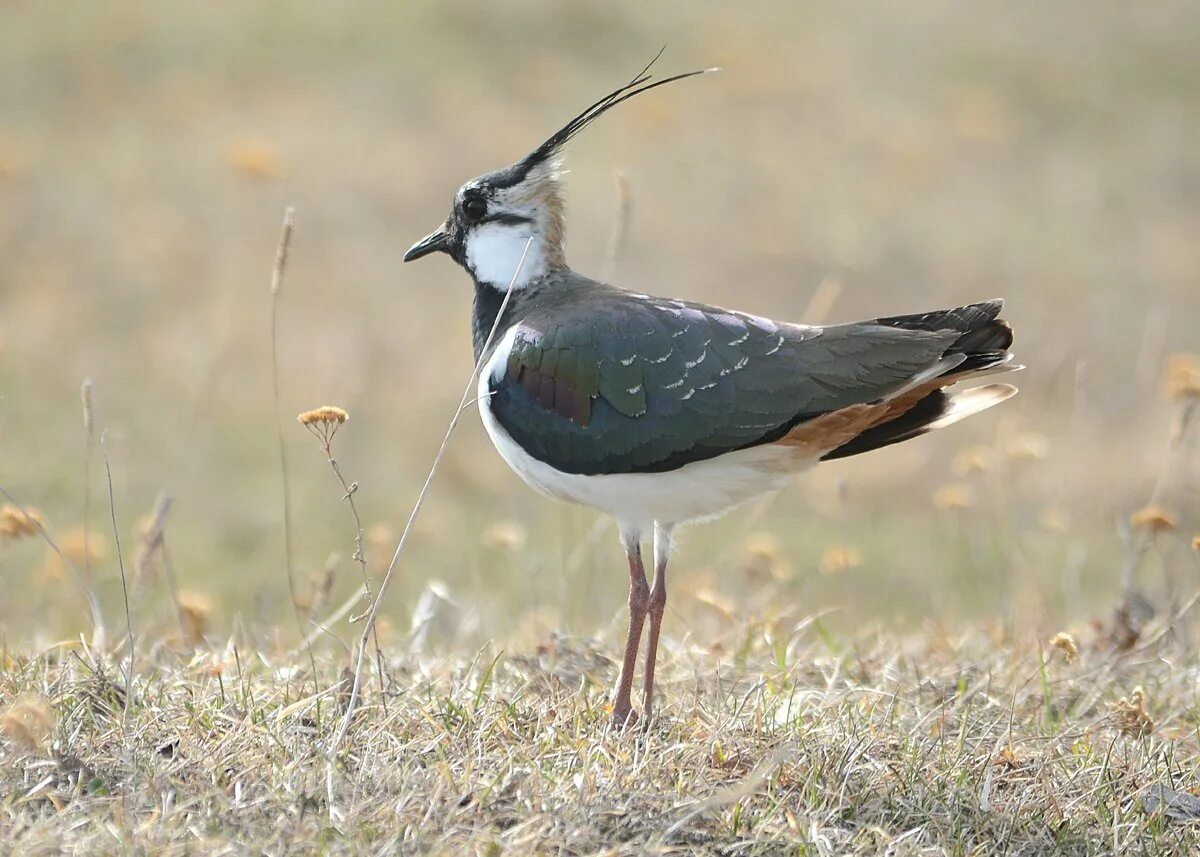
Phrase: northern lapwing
(660, 411)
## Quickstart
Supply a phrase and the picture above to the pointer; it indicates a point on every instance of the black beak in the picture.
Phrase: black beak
(437, 241)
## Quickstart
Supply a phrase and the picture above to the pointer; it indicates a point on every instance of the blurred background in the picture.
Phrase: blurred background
(850, 161)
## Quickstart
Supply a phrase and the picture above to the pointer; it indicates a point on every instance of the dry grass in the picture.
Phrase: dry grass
(805, 742)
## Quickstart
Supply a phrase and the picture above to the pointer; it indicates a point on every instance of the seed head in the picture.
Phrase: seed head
(256, 158)
(839, 559)
(505, 535)
(765, 557)
(1183, 377)
(1130, 716)
(324, 414)
(1065, 643)
(1053, 518)
(80, 549)
(16, 523)
(323, 422)
(194, 612)
(763, 546)
(89, 416)
(1153, 520)
(1028, 446)
(976, 459)
(953, 498)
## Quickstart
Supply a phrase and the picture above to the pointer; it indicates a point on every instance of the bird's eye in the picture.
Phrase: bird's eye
(475, 208)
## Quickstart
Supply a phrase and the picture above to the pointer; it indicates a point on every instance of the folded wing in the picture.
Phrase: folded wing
(619, 383)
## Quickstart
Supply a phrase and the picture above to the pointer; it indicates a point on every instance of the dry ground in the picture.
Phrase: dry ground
(863, 663)
(793, 740)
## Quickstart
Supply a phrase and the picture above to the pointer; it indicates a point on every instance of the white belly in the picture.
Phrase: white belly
(702, 489)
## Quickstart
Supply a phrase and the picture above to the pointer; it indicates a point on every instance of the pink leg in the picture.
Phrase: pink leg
(639, 600)
(658, 604)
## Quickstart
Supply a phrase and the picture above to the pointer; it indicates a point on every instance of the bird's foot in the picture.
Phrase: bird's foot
(624, 718)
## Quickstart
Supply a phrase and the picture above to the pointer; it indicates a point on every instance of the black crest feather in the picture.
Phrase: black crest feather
(643, 81)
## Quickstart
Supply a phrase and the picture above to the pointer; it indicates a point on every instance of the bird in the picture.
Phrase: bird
(662, 412)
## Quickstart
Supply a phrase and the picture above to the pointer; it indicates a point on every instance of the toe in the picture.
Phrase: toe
(624, 719)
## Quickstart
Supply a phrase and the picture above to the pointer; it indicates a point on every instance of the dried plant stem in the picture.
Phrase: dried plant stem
(620, 228)
(156, 542)
(350, 489)
(89, 429)
(85, 586)
(820, 305)
(112, 509)
(173, 585)
(463, 403)
(281, 257)
(1176, 446)
(1142, 540)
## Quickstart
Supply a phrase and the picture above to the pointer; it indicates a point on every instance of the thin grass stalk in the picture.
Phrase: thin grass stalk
(350, 489)
(281, 258)
(348, 716)
(112, 508)
(89, 429)
(620, 229)
(156, 541)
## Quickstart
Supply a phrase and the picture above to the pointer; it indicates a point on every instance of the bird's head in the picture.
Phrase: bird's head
(496, 215)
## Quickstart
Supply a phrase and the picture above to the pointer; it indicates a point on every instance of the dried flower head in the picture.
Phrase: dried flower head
(16, 523)
(28, 722)
(839, 559)
(1065, 643)
(1129, 714)
(323, 422)
(256, 158)
(1027, 446)
(1053, 518)
(765, 557)
(976, 459)
(1153, 520)
(194, 612)
(1183, 377)
(953, 498)
(764, 545)
(83, 548)
(505, 535)
(325, 414)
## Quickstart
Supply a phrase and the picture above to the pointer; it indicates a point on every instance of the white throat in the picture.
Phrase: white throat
(494, 250)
